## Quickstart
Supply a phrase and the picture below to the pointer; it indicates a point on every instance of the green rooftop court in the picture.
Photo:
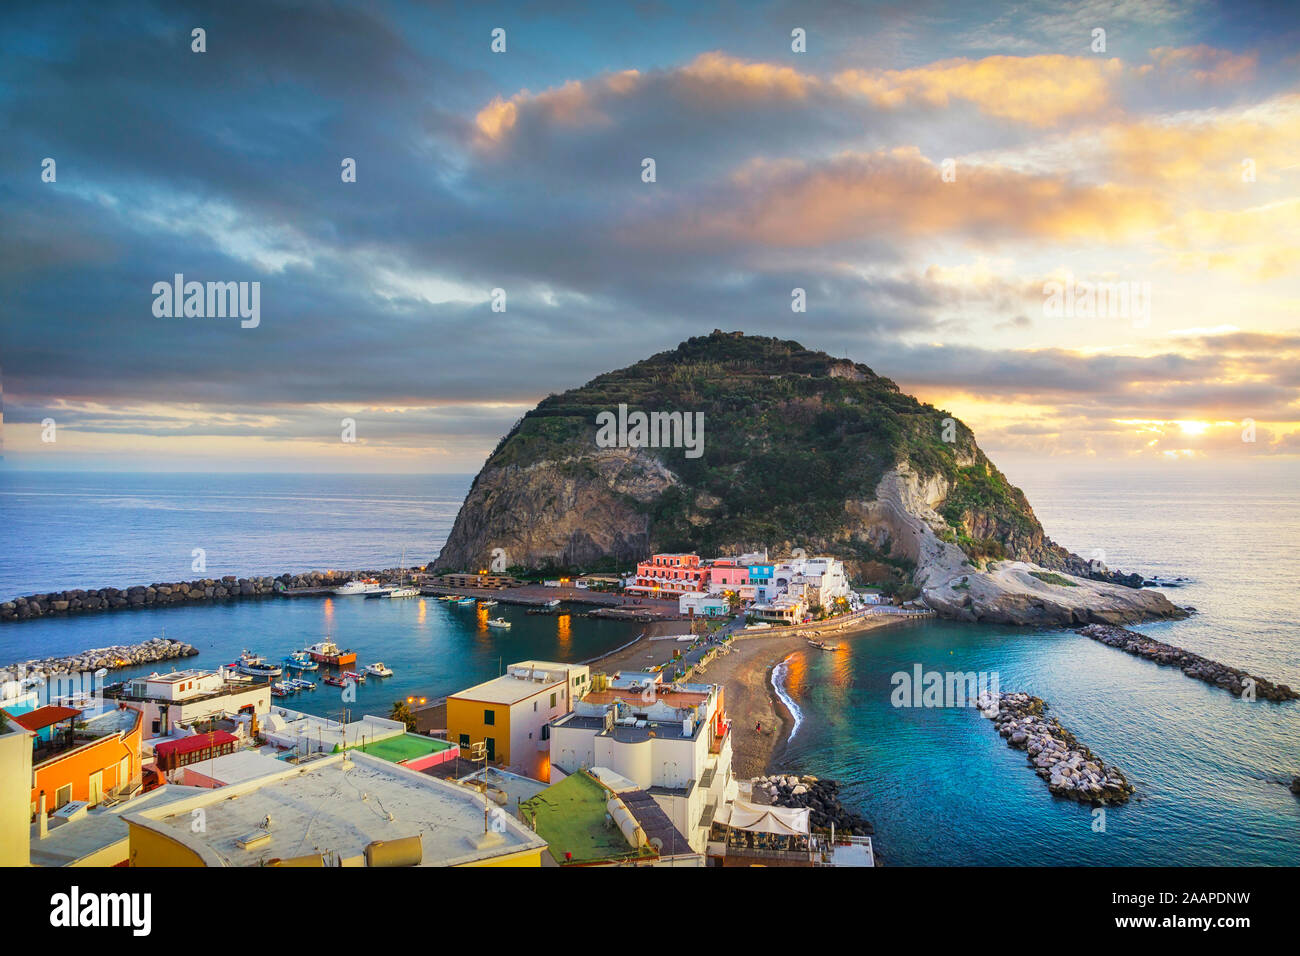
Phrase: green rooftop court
(404, 747)
(571, 817)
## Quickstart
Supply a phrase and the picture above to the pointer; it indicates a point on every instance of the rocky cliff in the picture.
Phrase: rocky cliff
(799, 450)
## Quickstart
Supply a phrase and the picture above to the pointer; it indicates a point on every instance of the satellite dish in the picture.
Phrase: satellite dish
(657, 843)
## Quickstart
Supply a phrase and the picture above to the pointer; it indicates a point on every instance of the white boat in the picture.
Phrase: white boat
(406, 591)
(299, 683)
(379, 669)
(254, 665)
(554, 603)
(498, 622)
(464, 602)
(488, 603)
(358, 587)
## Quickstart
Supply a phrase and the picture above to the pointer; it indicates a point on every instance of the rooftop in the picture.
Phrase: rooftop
(338, 805)
(404, 747)
(505, 690)
(571, 817)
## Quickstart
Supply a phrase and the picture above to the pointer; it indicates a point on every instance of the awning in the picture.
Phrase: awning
(783, 821)
(43, 717)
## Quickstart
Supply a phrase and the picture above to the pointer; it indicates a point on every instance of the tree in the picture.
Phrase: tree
(402, 711)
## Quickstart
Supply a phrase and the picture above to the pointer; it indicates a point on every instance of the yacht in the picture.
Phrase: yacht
(327, 652)
(358, 587)
(405, 591)
(498, 622)
(254, 665)
(379, 669)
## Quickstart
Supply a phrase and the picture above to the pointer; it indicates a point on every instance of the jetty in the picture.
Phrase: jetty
(107, 658)
(1231, 679)
(1070, 768)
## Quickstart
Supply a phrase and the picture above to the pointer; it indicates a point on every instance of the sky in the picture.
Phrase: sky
(952, 185)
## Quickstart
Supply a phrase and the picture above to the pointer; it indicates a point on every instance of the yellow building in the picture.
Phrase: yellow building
(15, 793)
(327, 813)
(510, 715)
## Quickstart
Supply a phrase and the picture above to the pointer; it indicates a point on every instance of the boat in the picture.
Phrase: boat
(487, 603)
(405, 591)
(448, 597)
(254, 665)
(822, 646)
(498, 622)
(355, 677)
(280, 690)
(553, 603)
(300, 661)
(379, 669)
(464, 602)
(369, 586)
(335, 681)
(301, 684)
(327, 652)
(383, 591)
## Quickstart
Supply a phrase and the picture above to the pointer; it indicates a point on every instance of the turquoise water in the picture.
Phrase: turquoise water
(432, 647)
(942, 787)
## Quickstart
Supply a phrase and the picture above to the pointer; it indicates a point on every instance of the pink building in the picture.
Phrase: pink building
(669, 575)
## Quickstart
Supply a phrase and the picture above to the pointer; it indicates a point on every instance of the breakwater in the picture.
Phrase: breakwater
(109, 658)
(1231, 679)
(821, 797)
(228, 588)
(1070, 768)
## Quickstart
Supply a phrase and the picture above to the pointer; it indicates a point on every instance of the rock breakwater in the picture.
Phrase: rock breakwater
(821, 797)
(228, 588)
(1231, 679)
(110, 658)
(1070, 768)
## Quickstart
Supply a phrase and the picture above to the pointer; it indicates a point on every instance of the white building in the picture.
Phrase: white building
(673, 742)
(307, 733)
(704, 605)
(172, 702)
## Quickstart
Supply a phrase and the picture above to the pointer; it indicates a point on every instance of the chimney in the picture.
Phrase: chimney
(42, 820)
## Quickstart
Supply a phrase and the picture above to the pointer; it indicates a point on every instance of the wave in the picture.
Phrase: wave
(778, 685)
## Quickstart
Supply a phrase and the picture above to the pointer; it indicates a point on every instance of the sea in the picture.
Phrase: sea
(939, 785)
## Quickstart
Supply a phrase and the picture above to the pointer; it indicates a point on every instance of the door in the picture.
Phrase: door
(96, 792)
(491, 748)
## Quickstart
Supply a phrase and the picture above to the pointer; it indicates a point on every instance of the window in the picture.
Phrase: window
(490, 717)
(546, 731)
(62, 795)
(552, 699)
(464, 740)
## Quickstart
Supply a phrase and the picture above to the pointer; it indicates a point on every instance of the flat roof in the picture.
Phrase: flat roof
(507, 689)
(340, 804)
(570, 816)
(404, 747)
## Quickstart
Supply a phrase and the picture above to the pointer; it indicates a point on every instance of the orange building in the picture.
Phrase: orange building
(83, 760)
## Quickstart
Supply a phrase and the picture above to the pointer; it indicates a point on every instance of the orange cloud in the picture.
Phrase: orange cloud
(1037, 90)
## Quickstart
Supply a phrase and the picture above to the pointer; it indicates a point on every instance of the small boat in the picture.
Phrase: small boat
(488, 603)
(327, 652)
(254, 665)
(553, 603)
(335, 681)
(464, 602)
(823, 647)
(355, 677)
(357, 587)
(379, 669)
(300, 661)
(283, 688)
(301, 684)
(498, 622)
(406, 591)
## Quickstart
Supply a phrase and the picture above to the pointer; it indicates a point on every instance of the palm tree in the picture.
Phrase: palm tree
(402, 711)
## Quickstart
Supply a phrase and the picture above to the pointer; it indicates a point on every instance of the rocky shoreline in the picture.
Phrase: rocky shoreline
(1070, 768)
(228, 588)
(109, 658)
(1231, 679)
(821, 797)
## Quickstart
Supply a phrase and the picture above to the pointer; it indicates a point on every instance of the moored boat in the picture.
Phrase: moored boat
(406, 591)
(498, 622)
(254, 665)
(355, 677)
(300, 661)
(368, 586)
(487, 603)
(301, 683)
(327, 652)
(465, 602)
(379, 669)
(335, 680)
